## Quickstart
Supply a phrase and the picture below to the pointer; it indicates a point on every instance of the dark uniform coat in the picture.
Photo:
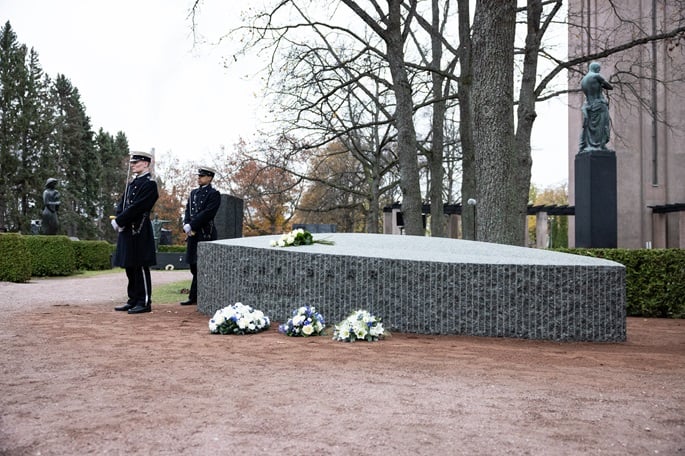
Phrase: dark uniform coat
(136, 243)
(201, 208)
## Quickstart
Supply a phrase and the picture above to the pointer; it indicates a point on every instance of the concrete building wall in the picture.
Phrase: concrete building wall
(650, 154)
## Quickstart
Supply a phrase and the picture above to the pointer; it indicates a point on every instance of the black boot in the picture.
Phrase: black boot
(124, 307)
(140, 308)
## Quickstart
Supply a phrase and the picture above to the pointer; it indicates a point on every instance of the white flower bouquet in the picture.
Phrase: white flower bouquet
(298, 237)
(360, 325)
(306, 321)
(238, 319)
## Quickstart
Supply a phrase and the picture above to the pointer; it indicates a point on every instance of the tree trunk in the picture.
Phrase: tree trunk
(493, 119)
(373, 215)
(526, 112)
(465, 82)
(438, 126)
(404, 122)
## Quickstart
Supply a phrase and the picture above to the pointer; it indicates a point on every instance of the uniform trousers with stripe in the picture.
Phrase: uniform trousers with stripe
(139, 286)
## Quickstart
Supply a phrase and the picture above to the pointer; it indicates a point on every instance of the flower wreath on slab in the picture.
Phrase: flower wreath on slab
(298, 237)
(238, 319)
(360, 325)
(306, 321)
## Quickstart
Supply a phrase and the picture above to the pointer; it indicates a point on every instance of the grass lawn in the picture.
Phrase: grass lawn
(170, 293)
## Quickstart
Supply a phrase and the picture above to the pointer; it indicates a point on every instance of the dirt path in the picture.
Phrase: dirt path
(78, 378)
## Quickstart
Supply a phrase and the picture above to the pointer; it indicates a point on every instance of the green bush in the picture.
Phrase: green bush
(15, 260)
(51, 255)
(655, 279)
(93, 255)
(172, 248)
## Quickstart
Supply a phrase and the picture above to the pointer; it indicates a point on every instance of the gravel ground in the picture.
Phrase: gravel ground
(79, 378)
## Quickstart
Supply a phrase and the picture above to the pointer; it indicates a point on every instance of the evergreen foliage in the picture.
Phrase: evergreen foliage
(26, 256)
(51, 255)
(93, 255)
(45, 132)
(172, 248)
(15, 260)
(655, 279)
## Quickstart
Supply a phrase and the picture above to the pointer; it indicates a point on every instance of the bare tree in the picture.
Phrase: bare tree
(331, 87)
(270, 193)
(393, 29)
(390, 26)
(440, 93)
(332, 95)
(496, 157)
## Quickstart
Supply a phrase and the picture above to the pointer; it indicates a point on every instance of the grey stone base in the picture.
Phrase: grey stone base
(421, 285)
(171, 260)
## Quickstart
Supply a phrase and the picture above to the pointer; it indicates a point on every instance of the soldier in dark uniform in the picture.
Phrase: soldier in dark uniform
(198, 222)
(136, 243)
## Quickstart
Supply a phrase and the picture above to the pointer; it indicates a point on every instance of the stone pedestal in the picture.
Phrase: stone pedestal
(595, 200)
(229, 218)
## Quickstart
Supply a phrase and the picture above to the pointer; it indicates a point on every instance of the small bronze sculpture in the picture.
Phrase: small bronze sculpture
(157, 230)
(50, 223)
(595, 134)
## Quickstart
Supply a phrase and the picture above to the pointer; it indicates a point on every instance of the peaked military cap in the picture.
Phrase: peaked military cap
(140, 156)
(206, 171)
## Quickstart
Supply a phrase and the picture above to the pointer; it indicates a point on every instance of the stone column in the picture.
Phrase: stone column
(396, 215)
(595, 199)
(387, 222)
(659, 227)
(541, 230)
(229, 218)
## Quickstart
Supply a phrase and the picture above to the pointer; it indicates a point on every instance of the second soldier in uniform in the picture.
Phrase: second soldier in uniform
(198, 222)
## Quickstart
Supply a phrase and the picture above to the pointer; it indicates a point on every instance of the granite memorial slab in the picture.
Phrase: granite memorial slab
(422, 285)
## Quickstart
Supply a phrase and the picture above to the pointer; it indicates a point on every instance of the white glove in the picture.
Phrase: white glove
(115, 225)
(186, 228)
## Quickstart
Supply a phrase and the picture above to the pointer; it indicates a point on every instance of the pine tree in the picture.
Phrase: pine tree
(113, 154)
(45, 132)
(77, 160)
(34, 128)
(13, 78)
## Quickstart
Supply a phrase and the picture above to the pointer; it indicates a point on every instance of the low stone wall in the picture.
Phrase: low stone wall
(421, 285)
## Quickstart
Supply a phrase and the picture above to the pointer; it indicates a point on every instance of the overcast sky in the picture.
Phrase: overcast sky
(137, 71)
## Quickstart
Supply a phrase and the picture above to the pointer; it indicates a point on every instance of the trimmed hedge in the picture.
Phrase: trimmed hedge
(655, 279)
(38, 255)
(51, 255)
(172, 248)
(15, 259)
(93, 255)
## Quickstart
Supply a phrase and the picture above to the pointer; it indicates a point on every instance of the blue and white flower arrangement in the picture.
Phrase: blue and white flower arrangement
(306, 321)
(359, 325)
(238, 319)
